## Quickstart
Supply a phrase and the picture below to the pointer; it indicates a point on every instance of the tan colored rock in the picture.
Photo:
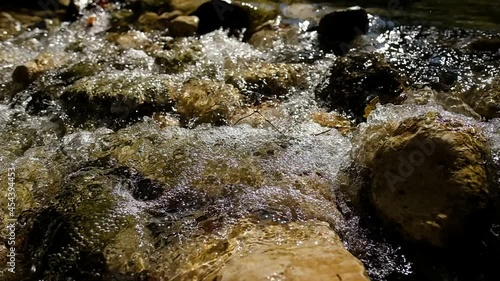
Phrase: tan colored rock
(203, 101)
(13, 23)
(297, 251)
(186, 6)
(183, 26)
(267, 36)
(165, 120)
(430, 179)
(485, 101)
(253, 252)
(151, 21)
(267, 80)
(131, 40)
(260, 116)
(333, 120)
(28, 72)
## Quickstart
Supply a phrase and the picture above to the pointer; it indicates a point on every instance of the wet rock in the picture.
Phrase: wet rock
(259, 252)
(183, 26)
(171, 15)
(261, 81)
(203, 101)
(178, 55)
(258, 13)
(130, 40)
(355, 80)
(451, 102)
(165, 120)
(218, 14)
(303, 11)
(337, 29)
(30, 71)
(88, 216)
(123, 97)
(186, 6)
(485, 45)
(267, 37)
(333, 120)
(151, 21)
(260, 116)
(429, 178)
(485, 100)
(13, 23)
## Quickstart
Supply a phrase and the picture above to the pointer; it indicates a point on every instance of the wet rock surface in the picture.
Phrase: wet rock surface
(429, 178)
(247, 150)
(355, 80)
(337, 29)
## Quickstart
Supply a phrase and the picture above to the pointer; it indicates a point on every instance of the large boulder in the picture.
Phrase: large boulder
(292, 251)
(261, 81)
(485, 100)
(357, 79)
(429, 178)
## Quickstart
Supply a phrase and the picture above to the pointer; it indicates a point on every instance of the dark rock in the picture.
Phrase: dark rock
(357, 79)
(183, 26)
(337, 29)
(220, 14)
(485, 100)
(485, 45)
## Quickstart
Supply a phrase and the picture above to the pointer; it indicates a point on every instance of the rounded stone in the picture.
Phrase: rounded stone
(430, 180)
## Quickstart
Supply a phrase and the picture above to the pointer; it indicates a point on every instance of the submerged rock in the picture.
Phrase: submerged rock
(355, 80)
(485, 100)
(178, 55)
(451, 102)
(292, 251)
(122, 97)
(206, 102)
(261, 81)
(429, 178)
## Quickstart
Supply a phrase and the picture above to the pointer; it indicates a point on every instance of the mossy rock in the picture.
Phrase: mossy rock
(68, 238)
(122, 97)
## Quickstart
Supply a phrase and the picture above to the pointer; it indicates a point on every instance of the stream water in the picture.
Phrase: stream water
(70, 162)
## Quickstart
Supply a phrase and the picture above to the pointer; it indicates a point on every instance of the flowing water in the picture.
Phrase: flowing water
(259, 165)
